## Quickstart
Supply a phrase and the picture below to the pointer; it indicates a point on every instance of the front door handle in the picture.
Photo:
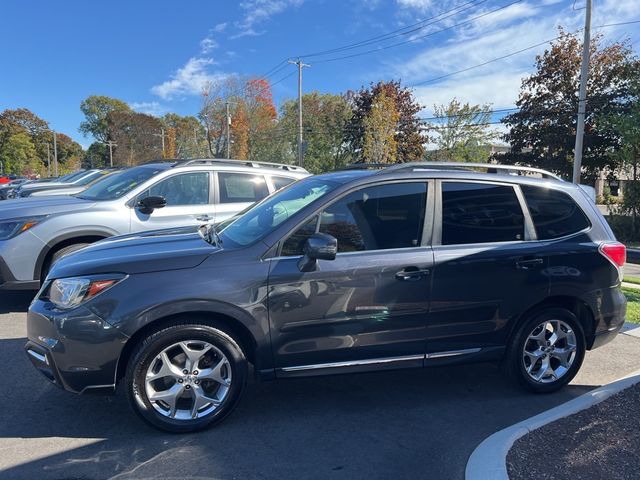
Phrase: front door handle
(204, 218)
(529, 264)
(412, 273)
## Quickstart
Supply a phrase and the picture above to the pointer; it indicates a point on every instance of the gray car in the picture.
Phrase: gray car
(36, 232)
(78, 179)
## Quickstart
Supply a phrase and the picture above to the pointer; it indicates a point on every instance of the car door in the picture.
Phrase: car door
(237, 191)
(368, 307)
(188, 196)
(488, 267)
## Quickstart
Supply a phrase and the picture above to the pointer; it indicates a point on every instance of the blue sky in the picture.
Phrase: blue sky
(156, 55)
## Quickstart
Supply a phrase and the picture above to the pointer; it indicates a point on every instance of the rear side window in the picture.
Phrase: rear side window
(480, 213)
(281, 182)
(241, 187)
(554, 213)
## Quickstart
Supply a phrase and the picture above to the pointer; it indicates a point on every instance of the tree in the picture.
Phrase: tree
(96, 156)
(408, 138)
(240, 140)
(18, 155)
(323, 123)
(69, 154)
(625, 123)
(137, 136)
(461, 133)
(380, 125)
(542, 132)
(188, 135)
(22, 120)
(96, 110)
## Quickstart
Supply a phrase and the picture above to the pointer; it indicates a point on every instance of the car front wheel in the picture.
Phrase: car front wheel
(547, 350)
(186, 377)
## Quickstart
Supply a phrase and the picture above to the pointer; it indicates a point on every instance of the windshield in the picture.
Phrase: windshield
(87, 179)
(263, 218)
(69, 176)
(119, 184)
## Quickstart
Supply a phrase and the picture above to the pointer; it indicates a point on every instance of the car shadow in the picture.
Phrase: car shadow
(389, 424)
(15, 301)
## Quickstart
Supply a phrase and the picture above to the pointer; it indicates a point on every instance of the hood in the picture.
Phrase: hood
(27, 207)
(57, 191)
(159, 250)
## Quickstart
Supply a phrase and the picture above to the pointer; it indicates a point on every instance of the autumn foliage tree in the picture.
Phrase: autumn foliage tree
(542, 132)
(380, 126)
(408, 138)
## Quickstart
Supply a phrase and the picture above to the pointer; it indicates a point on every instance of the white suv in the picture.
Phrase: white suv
(35, 232)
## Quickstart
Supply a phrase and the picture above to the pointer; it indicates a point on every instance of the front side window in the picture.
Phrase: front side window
(554, 213)
(182, 189)
(373, 218)
(480, 213)
(241, 187)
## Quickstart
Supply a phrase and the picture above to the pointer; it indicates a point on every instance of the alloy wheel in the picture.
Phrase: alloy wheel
(188, 380)
(549, 351)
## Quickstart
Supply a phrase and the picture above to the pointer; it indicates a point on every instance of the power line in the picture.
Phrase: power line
(431, 80)
(398, 44)
(399, 32)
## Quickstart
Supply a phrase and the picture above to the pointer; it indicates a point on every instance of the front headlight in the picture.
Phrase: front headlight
(68, 293)
(15, 226)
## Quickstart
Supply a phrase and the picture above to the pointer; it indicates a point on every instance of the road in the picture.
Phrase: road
(398, 424)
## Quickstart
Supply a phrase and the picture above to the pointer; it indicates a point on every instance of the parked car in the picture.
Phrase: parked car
(82, 179)
(36, 232)
(13, 193)
(7, 189)
(414, 265)
(76, 188)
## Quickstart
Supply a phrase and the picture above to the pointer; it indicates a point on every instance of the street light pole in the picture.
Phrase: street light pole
(228, 121)
(582, 95)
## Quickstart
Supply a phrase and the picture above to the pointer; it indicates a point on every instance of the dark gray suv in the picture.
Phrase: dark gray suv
(413, 265)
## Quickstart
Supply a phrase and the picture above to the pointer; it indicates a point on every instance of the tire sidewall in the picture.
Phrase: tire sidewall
(515, 355)
(153, 345)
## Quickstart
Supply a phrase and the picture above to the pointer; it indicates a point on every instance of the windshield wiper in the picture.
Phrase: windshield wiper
(210, 235)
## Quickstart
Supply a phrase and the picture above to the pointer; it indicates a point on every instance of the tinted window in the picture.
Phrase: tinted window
(480, 213)
(183, 189)
(377, 218)
(281, 182)
(240, 187)
(554, 213)
(294, 244)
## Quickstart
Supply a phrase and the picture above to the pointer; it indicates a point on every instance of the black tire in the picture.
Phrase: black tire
(515, 362)
(154, 344)
(58, 255)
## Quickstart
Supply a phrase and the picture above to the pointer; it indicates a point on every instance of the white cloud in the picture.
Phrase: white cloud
(150, 108)
(421, 5)
(220, 27)
(189, 79)
(207, 45)
(259, 11)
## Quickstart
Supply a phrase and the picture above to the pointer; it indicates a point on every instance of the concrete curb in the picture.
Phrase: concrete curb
(489, 460)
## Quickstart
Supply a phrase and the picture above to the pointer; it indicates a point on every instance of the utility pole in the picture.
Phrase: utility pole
(300, 67)
(111, 145)
(228, 121)
(582, 95)
(55, 154)
(161, 135)
(48, 161)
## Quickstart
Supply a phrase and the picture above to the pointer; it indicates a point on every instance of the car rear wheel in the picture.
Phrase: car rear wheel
(547, 350)
(186, 377)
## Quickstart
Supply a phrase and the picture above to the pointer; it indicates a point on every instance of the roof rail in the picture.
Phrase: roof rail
(490, 168)
(245, 163)
(364, 166)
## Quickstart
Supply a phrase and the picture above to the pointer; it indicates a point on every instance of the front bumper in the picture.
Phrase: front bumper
(75, 350)
(18, 259)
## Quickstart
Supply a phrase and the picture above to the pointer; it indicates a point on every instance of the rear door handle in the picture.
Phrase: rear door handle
(529, 264)
(412, 273)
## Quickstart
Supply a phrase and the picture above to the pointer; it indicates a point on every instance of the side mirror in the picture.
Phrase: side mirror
(149, 204)
(318, 246)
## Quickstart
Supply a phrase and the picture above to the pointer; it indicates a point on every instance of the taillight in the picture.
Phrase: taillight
(614, 251)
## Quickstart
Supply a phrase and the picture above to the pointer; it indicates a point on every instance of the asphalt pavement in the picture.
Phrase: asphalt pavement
(393, 424)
